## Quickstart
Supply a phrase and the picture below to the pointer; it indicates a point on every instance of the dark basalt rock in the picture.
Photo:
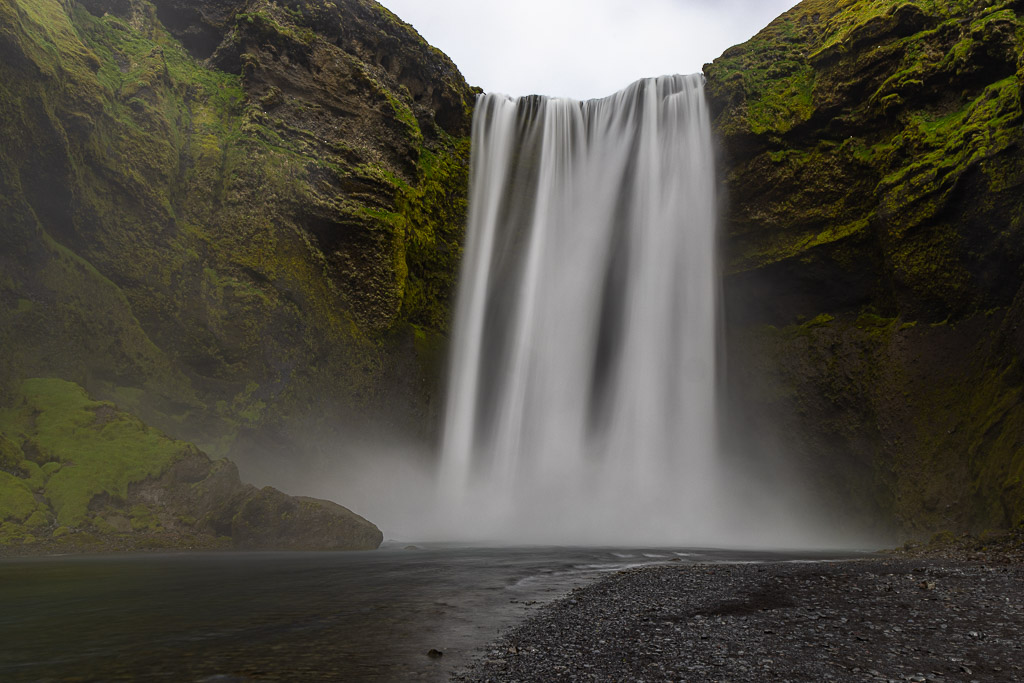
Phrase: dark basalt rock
(200, 25)
(217, 240)
(253, 518)
(873, 251)
(242, 232)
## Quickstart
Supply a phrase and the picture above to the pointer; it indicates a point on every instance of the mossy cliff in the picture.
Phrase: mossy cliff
(873, 244)
(239, 220)
(80, 474)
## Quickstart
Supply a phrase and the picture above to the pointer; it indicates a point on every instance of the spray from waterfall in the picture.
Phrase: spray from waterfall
(582, 400)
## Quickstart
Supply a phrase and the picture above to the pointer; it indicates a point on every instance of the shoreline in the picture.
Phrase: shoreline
(885, 619)
(1004, 546)
(712, 616)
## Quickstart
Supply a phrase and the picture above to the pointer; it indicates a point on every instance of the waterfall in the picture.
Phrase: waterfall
(581, 402)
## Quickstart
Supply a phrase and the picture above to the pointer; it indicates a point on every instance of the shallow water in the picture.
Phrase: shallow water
(288, 616)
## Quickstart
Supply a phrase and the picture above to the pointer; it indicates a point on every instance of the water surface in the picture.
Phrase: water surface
(287, 616)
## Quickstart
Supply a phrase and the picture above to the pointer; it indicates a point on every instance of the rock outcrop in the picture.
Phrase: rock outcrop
(874, 251)
(80, 474)
(239, 220)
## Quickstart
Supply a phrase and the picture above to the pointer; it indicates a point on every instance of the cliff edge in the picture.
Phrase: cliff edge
(873, 245)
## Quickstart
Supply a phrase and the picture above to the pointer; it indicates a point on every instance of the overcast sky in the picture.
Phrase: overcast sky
(582, 48)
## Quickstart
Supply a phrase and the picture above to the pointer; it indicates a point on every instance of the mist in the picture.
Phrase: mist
(584, 370)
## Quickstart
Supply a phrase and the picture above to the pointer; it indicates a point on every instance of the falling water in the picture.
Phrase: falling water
(582, 390)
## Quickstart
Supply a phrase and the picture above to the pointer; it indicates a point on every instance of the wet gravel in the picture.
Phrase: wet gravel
(898, 619)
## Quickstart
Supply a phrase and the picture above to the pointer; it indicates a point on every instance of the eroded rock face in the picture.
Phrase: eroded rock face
(246, 232)
(200, 25)
(874, 251)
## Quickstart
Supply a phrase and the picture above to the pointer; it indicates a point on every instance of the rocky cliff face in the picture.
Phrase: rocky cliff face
(226, 215)
(239, 220)
(874, 252)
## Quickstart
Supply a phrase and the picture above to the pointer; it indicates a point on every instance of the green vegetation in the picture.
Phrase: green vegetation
(867, 89)
(107, 481)
(86, 449)
(222, 248)
(195, 199)
(434, 212)
(875, 169)
(17, 502)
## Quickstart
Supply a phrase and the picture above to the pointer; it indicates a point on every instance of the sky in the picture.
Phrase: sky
(582, 48)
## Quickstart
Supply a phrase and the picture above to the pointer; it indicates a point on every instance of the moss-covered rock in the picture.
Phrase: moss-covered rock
(108, 481)
(90, 448)
(221, 214)
(873, 168)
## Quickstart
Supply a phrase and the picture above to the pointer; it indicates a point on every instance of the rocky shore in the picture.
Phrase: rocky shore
(885, 619)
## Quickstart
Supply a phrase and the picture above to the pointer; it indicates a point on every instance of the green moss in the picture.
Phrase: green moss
(143, 519)
(266, 27)
(11, 456)
(434, 212)
(17, 503)
(942, 538)
(247, 406)
(33, 475)
(223, 252)
(39, 520)
(99, 450)
(404, 114)
(947, 145)
(870, 320)
(15, 534)
(777, 92)
(818, 321)
(103, 526)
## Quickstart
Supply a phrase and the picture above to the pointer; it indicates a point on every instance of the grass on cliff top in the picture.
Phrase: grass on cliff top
(853, 18)
(776, 67)
(922, 148)
(84, 448)
(777, 81)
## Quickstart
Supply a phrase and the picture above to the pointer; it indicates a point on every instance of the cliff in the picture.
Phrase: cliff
(238, 220)
(237, 223)
(873, 247)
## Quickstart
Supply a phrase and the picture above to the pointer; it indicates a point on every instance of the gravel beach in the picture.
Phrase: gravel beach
(895, 619)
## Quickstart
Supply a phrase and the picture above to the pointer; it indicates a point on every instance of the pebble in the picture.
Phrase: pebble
(919, 620)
